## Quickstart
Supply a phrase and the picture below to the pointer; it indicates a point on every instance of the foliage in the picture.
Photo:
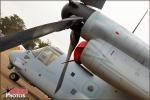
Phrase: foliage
(43, 44)
(11, 24)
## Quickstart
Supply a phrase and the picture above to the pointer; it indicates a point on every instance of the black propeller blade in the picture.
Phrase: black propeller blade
(74, 39)
(95, 3)
(24, 36)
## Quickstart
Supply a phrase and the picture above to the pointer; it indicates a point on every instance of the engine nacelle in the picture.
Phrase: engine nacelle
(116, 68)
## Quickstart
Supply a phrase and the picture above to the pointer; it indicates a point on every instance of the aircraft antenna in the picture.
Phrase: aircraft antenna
(140, 21)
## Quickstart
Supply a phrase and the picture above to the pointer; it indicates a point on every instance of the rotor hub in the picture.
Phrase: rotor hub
(79, 10)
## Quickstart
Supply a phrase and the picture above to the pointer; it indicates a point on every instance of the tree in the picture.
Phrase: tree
(43, 44)
(37, 43)
(14, 23)
(11, 24)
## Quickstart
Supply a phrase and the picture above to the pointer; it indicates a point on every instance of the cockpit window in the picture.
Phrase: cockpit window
(48, 55)
(36, 52)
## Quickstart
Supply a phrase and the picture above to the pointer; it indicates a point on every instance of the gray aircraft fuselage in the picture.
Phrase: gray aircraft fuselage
(43, 67)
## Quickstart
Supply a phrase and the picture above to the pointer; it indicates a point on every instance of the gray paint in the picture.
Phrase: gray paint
(116, 68)
(72, 87)
(99, 26)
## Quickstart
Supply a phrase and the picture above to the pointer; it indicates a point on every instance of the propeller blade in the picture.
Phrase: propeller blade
(36, 32)
(74, 39)
(95, 3)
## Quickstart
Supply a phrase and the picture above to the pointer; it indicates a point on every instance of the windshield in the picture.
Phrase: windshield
(46, 55)
(37, 51)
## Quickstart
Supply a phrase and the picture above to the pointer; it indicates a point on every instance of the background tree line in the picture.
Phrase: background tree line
(12, 24)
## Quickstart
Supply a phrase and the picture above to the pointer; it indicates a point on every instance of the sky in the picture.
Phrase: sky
(35, 13)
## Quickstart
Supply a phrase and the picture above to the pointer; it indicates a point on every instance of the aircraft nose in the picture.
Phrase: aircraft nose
(16, 60)
(12, 57)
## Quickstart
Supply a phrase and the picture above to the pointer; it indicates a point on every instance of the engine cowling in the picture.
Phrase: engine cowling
(78, 51)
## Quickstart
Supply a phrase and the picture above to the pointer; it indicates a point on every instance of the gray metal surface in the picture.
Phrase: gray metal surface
(116, 68)
(77, 84)
(99, 26)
